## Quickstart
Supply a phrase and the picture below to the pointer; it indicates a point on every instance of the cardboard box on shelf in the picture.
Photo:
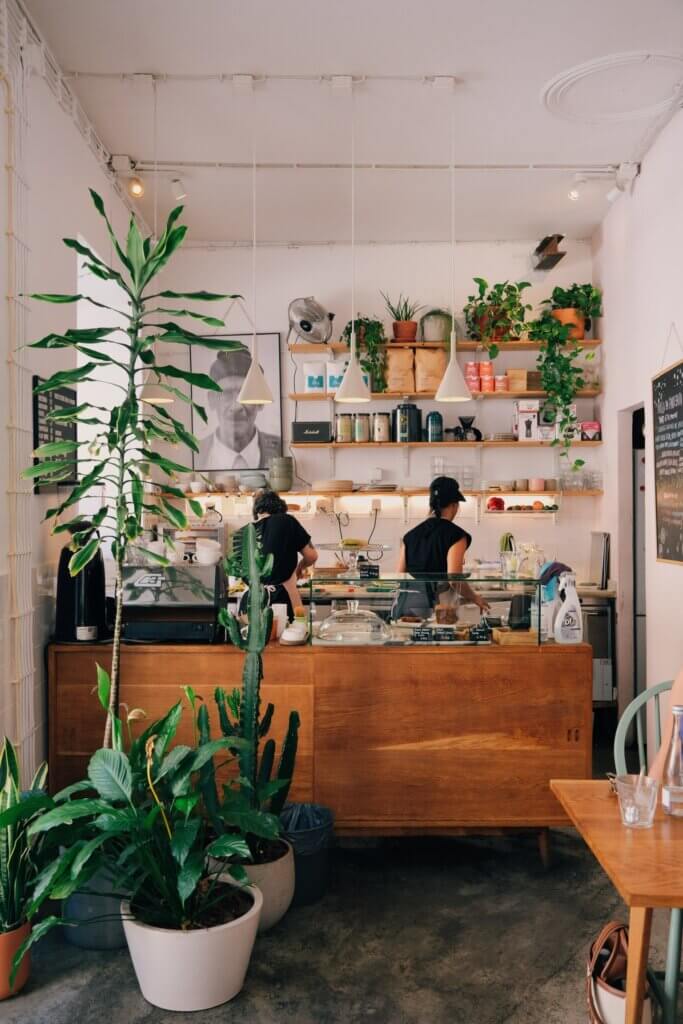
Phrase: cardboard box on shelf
(517, 379)
(525, 416)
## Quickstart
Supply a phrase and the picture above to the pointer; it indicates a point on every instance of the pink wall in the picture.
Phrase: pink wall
(637, 261)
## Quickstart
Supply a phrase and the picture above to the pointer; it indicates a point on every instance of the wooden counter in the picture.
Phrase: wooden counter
(394, 740)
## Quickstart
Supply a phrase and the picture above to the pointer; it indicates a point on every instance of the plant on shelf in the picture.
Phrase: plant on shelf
(255, 800)
(143, 823)
(403, 314)
(122, 451)
(561, 379)
(576, 306)
(496, 314)
(371, 341)
(21, 860)
(436, 325)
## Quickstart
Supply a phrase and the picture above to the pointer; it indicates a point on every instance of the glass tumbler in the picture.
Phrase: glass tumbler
(637, 800)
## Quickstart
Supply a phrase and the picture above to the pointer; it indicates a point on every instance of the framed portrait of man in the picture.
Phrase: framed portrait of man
(236, 436)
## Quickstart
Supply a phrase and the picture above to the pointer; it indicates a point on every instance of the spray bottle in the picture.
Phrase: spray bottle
(568, 621)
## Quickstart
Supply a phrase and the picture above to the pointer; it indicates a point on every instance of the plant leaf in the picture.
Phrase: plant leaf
(198, 380)
(55, 448)
(199, 296)
(103, 686)
(189, 875)
(184, 836)
(66, 814)
(80, 558)
(229, 846)
(110, 773)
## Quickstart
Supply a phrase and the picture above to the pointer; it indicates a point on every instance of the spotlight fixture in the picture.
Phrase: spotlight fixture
(136, 187)
(573, 194)
(179, 190)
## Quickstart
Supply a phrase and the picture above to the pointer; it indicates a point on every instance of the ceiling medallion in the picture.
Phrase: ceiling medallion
(618, 69)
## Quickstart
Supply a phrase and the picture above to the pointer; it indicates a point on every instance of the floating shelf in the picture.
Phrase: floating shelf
(392, 396)
(435, 445)
(400, 492)
(309, 348)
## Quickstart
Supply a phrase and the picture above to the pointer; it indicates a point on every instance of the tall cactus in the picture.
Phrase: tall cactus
(240, 714)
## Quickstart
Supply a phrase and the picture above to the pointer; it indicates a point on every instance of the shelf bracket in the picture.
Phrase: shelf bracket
(406, 463)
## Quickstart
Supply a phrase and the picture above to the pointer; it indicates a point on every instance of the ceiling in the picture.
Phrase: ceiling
(503, 56)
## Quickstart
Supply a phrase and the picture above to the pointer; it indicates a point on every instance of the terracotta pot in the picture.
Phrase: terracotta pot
(9, 944)
(192, 970)
(405, 330)
(572, 316)
(497, 334)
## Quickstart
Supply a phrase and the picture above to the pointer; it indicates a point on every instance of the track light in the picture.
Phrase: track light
(136, 187)
(179, 190)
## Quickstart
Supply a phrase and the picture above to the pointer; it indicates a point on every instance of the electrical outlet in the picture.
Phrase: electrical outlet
(376, 505)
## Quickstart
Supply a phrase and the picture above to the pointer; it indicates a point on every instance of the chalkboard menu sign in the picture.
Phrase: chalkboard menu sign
(45, 429)
(667, 403)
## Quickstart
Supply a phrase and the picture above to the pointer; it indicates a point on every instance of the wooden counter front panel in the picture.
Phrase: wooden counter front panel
(450, 738)
(151, 679)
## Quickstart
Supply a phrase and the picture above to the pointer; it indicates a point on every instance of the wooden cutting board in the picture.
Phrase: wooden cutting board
(515, 636)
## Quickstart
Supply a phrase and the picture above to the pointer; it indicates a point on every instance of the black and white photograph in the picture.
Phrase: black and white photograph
(237, 437)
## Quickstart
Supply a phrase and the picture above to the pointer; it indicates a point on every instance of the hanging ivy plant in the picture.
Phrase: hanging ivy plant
(372, 353)
(561, 379)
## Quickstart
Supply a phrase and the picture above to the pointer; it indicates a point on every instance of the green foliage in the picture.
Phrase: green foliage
(584, 297)
(21, 856)
(443, 314)
(254, 801)
(121, 451)
(371, 341)
(496, 314)
(560, 377)
(403, 310)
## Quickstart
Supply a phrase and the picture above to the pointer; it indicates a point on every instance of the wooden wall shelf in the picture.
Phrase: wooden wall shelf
(400, 492)
(393, 396)
(435, 445)
(308, 348)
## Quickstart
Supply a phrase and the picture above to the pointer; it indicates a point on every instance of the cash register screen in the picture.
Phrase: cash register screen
(171, 586)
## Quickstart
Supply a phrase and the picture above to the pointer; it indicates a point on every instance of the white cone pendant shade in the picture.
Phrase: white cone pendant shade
(353, 388)
(255, 390)
(153, 393)
(453, 387)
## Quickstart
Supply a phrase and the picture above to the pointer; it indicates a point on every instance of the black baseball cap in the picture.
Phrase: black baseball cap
(444, 490)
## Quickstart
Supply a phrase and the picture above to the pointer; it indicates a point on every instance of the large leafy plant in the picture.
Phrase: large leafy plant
(372, 341)
(255, 799)
(139, 818)
(496, 313)
(560, 377)
(584, 297)
(123, 449)
(21, 856)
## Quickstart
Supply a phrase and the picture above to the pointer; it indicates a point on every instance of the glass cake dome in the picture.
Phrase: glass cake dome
(353, 625)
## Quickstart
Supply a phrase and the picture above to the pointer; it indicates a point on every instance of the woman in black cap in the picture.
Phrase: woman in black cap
(437, 545)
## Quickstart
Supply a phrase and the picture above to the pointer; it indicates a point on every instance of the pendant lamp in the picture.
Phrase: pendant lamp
(353, 388)
(255, 390)
(453, 387)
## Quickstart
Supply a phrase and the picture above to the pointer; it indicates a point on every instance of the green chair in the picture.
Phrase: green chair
(666, 993)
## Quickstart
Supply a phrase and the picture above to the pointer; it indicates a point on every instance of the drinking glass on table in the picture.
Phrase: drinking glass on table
(637, 800)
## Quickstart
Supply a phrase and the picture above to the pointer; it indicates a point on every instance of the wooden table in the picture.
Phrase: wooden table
(643, 864)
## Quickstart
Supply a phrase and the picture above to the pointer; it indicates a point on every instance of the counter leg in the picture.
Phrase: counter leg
(640, 922)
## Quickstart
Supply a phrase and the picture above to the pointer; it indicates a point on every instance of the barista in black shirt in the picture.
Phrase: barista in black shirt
(437, 545)
(283, 537)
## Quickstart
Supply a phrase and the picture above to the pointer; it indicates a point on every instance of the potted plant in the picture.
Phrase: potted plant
(560, 378)
(436, 325)
(190, 926)
(253, 801)
(371, 341)
(20, 862)
(496, 314)
(403, 314)
(123, 450)
(576, 306)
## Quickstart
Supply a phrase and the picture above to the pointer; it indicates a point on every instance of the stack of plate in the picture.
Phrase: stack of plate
(378, 487)
(500, 437)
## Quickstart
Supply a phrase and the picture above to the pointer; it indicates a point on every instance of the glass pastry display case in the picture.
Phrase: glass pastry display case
(405, 610)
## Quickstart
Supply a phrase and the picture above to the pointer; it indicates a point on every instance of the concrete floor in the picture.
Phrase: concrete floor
(434, 931)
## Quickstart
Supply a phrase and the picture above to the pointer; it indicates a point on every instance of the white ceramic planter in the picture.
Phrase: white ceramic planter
(193, 970)
(276, 882)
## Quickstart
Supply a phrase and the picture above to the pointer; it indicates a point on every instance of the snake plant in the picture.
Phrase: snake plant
(20, 854)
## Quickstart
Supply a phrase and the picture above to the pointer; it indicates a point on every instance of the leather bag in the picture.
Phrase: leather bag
(606, 977)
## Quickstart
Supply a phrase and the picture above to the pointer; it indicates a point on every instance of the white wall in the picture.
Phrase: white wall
(60, 167)
(422, 272)
(637, 262)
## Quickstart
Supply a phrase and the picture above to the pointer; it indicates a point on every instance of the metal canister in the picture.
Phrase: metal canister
(381, 427)
(343, 428)
(435, 427)
(361, 427)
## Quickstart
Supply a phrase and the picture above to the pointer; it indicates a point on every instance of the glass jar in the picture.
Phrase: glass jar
(343, 428)
(381, 427)
(361, 427)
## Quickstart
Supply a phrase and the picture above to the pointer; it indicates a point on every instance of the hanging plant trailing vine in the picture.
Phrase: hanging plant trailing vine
(560, 378)
(371, 341)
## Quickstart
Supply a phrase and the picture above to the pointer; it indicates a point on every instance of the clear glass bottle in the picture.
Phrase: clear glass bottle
(672, 781)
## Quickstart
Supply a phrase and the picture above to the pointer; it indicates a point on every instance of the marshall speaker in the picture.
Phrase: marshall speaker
(310, 431)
